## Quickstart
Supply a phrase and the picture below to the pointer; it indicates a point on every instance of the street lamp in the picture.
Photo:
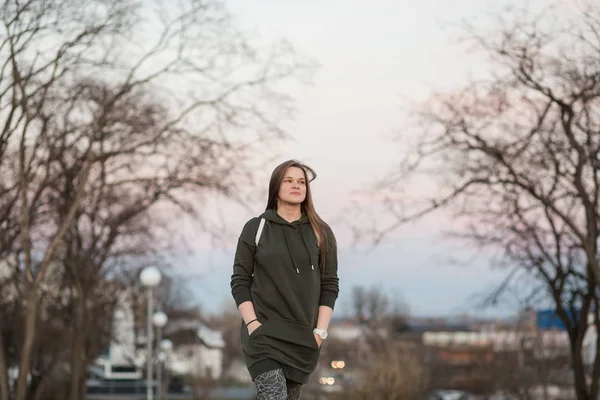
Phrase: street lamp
(159, 319)
(150, 278)
(165, 346)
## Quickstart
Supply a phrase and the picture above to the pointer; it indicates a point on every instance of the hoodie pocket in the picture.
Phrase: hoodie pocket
(256, 331)
(290, 342)
(293, 332)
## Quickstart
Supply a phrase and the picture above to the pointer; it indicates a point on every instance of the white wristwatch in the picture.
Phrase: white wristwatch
(321, 332)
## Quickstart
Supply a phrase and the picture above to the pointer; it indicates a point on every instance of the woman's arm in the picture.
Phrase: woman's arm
(323, 320)
(241, 280)
(248, 315)
(329, 288)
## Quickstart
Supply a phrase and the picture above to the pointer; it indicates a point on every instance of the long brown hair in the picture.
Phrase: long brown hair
(325, 240)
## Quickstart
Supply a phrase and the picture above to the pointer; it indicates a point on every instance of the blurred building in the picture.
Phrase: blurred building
(121, 360)
(198, 350)
(534, 348)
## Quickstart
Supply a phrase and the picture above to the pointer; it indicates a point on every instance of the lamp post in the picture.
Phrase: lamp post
(159, 319)
(165, 346)
(150, 278)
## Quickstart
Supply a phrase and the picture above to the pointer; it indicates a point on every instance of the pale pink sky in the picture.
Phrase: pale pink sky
(374, 55)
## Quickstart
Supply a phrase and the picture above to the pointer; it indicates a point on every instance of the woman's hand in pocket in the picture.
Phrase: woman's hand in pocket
(253, 326)
(318, 340)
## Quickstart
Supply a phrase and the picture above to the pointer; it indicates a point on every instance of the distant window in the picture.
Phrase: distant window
(123, 368)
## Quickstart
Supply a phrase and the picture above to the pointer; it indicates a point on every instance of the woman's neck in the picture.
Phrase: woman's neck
(289, 212)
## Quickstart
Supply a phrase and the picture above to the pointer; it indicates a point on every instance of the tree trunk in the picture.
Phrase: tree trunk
(596, 367)
(44, 379)
(3, 371)
(82, 382)
(30, 328)
(78, 356)
(84, 354)
(581, 387)
(39, 390)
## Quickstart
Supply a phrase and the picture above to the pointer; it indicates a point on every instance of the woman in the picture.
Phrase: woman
(285, 286)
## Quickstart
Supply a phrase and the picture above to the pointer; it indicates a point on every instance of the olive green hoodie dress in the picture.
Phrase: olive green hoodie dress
(282, 278)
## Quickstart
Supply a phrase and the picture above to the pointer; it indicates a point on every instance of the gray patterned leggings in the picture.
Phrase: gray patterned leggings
(272, 385)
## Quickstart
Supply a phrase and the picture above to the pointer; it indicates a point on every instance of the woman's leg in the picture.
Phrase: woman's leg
(271, 385)
(294, 390)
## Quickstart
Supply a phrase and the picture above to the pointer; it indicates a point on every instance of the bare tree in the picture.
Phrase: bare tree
(370, 304)
(53, 347)
(152, 99)
(394, 373)
(359, 302)
(517, 155)
(381, 318)
(116, 220)
(377, 304)
(374, 306)
(228, 322)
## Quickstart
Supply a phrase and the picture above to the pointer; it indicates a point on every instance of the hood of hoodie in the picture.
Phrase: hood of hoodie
(303, 225)
(271, 215)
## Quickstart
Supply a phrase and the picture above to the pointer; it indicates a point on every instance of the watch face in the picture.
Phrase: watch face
(323, 335)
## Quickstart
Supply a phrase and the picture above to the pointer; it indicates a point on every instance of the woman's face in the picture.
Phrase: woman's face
(293, 186)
